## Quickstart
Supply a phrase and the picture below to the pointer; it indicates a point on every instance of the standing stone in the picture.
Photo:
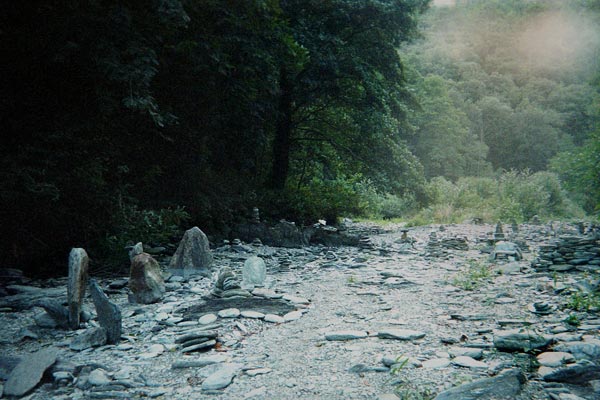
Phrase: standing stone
(78, 274)
(254, 272)
(193, 255)
(135, 250)
(145, 280)
(108, 313)
(28, 373)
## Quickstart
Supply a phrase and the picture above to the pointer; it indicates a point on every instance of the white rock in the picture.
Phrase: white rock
(222, 377)
(436, 363)
(468, 362)
(98, 377)
(555, 359)
(274, 318)
(252, 314)
(207, 319)
(258, 371)
(229, 313)
(292, 316)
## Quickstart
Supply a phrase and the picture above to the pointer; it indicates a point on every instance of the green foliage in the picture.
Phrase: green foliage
(471, 278)
(582, 301)
(512, 196)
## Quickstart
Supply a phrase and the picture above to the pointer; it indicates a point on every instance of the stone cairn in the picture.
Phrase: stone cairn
(197, 339)
(365, 243)
(285, 263)
(455, 243)
(568, 252)
(499, 233)
(434, 247)
(228, 285)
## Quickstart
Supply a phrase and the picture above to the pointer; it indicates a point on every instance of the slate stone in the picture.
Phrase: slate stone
(207, 319)
(520, 340)
(145, 280)
(468, 362)
(229, 313)
(7, 364)
(345, 335)
(198, 362)
(93, 337)
(505, 386)
(76, 285)
(252, 314)
(193, 255)
(28, 373)
(254, 272)
(400, 334)
(109, 315)
(577, 374)
(56, 311)
(581, 350)
(555, 359)
(222, 377)
(273, 318)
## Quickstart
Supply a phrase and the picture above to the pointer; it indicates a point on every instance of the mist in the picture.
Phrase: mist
(558, 40)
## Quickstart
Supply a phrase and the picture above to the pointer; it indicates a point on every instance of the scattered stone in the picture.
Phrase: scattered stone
(199, 362)
(577, 374)
(222, 377)
(581, 350)
(520, 340)
(345, 335)
(504, 386)
(254, 272)
(207, 319)
(92, 337)
(109, 315)
(98, 377)
(193, 255)
(229, 313)
(554, 359)
(44, 320)
(145, 280)
(28, 372)
(273, 318)
(400, 334)
(468, 362)
(292, 316)
(436, 363)
(56, 311)
(77, 283)
(258, 371)
(252, 314)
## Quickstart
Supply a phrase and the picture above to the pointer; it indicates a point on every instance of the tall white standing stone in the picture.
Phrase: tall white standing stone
(78, 275)
(254, 272)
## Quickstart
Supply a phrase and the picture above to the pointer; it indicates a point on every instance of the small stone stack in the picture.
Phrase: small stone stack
(227, 285)
(499, 233)
(455, 243)
(285, 263)
(434, 247)
(365, 243)
(568, 252)
(197, 340)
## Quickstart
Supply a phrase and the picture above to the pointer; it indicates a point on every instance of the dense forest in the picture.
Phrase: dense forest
(128, 121)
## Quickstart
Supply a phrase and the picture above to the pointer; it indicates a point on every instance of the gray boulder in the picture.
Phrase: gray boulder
(193, 255)
(504, 386)
(520, 340)
(78, 275)
(145, 280)
(93, 337)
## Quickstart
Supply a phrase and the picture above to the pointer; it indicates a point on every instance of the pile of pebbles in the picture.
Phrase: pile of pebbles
(569, 252)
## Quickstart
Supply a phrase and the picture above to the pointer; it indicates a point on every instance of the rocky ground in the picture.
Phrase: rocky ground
(397, 319)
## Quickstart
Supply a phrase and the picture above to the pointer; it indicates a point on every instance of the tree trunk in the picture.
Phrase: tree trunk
(283, 134)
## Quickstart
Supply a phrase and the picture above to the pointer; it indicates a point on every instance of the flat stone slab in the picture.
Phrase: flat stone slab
(276, 319)
(198, 362)
(28, 373)
(252, 314)
(468, 362)
(346, 335)
(400, 334)
(222, 377)
(555, 359)
(520, 340)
